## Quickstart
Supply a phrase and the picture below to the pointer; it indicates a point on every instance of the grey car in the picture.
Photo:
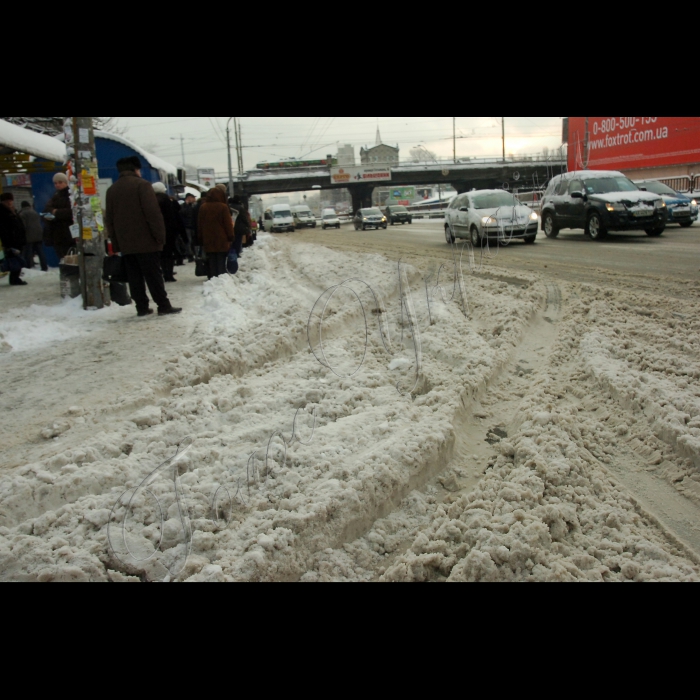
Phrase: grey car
(369, 218)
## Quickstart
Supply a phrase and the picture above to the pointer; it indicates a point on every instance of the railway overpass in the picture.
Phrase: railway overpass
(486, 174)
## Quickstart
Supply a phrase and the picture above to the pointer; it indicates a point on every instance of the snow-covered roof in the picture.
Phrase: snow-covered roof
(27, 141)
(155, 161)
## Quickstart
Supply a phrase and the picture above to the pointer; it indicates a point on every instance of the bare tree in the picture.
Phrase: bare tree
(421, 154)
(54, 125)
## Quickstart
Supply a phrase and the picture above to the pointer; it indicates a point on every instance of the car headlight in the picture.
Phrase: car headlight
(694, 203)
(615, 207)
(534, 216)
(659, 204)
(365, 219)
(384, 220)
(489, 221)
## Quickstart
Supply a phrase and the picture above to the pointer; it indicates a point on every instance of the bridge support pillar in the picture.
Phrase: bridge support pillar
(361, 196)
(462, 187)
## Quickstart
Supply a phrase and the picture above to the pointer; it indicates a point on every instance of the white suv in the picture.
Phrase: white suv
(484, 214)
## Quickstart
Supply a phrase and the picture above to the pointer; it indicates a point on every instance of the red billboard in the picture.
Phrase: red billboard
(632, 143)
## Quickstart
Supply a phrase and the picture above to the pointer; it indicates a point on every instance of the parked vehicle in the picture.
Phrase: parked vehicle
(682, 209)
(278, 219)
(398, 215)
(329, 219)
(598, 202)
(303, 218)
(485, 214)
(370, 218)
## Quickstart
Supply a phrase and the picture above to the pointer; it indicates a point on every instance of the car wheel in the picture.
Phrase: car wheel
(449, 236)
(364, 228)
(338, 227)
(410, 223)
(549, 226)
(477, 240)
(531, 240)
(687, 224)
(385, 227)
(655, 232)
(595, 229)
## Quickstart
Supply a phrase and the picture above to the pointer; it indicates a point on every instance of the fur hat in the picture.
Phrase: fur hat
(159, 188)
(60, 177)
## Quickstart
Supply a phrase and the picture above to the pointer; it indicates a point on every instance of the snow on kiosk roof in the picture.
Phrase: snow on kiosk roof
(27, 141)
(156, 162)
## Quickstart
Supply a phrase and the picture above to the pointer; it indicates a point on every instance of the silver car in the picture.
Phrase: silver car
(490, 214)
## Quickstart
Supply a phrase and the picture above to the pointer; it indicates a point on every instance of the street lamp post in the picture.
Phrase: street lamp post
(230, 163)
(503, 133)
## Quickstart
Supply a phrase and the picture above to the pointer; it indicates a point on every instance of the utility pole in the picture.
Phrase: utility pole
(240, 152)
(182, 147)
(503, 132)
(454, 138)
(238, 144)
(88, 228)
(230, 162)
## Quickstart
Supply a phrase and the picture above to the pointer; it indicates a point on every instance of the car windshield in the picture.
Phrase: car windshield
(327, 217)
(659, 188)
(372, 212)
(495, 200)
(399, 210)
(282, 214)
(607, 185)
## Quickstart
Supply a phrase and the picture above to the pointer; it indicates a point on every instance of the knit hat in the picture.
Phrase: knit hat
(222, 187)
(159, 188)
(60, 177)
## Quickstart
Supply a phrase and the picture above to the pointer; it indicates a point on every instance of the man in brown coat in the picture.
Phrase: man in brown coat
(137, 230)
(216, 231)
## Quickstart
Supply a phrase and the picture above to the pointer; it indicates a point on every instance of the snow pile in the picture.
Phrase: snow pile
(248, 459)
(36, 327)
(240, 382)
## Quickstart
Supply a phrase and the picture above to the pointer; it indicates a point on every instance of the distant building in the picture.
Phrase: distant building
(346, 156)
(380, 154)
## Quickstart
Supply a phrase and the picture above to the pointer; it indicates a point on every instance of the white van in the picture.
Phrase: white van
(329, 219)
(303, 217)
(279, 218)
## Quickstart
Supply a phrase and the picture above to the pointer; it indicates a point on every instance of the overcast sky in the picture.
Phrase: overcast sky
(272, 138)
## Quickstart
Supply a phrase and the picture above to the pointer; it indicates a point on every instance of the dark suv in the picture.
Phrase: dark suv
(369, 218)
(398, 215)
(598, 202)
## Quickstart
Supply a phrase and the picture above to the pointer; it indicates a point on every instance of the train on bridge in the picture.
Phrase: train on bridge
(294, 163)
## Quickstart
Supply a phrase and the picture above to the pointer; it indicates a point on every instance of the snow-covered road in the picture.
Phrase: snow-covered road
(553, 432)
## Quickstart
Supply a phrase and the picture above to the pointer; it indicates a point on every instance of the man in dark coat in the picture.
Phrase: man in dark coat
(59, 218)
(12, 236)
(243, 227)
(137, 230)
(174, 231)
(35, 236)
(189, 219)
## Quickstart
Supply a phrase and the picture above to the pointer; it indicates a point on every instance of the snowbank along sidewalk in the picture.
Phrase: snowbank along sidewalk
(337, 417)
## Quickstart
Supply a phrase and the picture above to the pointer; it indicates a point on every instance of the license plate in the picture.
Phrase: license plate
(685, 210)
(641, 214)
